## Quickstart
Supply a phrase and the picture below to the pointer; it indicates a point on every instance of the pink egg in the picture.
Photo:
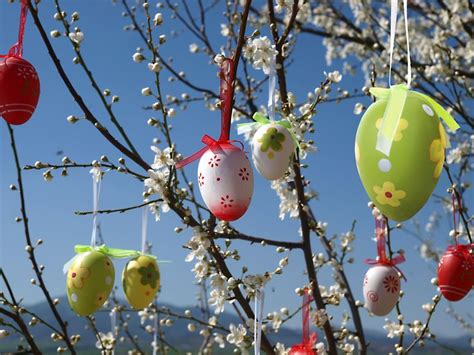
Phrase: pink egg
(226, 181)
(381, 289)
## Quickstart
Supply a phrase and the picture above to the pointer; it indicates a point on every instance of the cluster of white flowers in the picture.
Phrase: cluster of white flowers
(319, 317)
(218, 293)
(156, 183)
(198, 245)
(394, 329)
(106, 342)
(237, 336)
(261, 53)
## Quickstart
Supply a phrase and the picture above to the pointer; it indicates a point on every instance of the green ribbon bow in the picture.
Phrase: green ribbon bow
(396, 96)
(110, 252)
(261, 120)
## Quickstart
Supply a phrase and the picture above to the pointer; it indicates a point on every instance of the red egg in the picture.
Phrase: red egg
(301, 349)
(19, 90)
(456, 272)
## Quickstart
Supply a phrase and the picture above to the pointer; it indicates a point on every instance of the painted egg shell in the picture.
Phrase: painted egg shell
(455, 275)
(90, 280)
(226, 181)
(272, 149)
(301, 349)
(141, 281)
(400, 184)
(381, 289)
(18, 103)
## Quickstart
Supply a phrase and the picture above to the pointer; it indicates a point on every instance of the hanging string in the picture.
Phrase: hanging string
(113, 321)
(393, 30)
(96, 183)
(227, 77)
(17, 49)
(155, 333)
(382, 259)
(257, 333)
(271, 90)
(144, 228)
(456, 209)
(309, 340)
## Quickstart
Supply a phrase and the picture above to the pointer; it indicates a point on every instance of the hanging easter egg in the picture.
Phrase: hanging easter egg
(272, 149)
(20, 89)
(141, 281)
(301, 349)
(401, 181)
(90, 280)
(381, 289)
(456, 272)
(226, 181)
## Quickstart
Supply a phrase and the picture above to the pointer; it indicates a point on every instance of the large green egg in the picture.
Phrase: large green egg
(90, 280)
(141, 281)
(401, 183)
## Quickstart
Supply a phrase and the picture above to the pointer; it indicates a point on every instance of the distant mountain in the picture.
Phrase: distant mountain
(182, 339)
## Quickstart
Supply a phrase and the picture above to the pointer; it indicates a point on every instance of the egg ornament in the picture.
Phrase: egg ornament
(90, 280)
(400, 149)
(225, 181)
(456, 272)
(381, 289)
(272, 150)
(141, 281)
(20, 90)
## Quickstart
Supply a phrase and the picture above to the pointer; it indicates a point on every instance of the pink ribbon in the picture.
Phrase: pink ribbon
(382, 259)
(227, 77)
(17, 49)
(308, 340)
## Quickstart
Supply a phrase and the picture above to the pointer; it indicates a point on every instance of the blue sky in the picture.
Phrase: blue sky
(108, 50)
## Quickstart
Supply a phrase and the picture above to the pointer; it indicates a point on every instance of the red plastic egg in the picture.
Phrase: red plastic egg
(19, 90)
(301, 349)
(456, 272)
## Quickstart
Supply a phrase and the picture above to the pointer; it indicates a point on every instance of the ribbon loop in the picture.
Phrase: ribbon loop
(382, 259)
(17, 49)
(306, 346)
(396, 97)
(227, 77)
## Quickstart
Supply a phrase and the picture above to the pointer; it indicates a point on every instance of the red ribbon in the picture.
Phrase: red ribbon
(382, 259)
(17, 49)
(227, 77)
(308, 340)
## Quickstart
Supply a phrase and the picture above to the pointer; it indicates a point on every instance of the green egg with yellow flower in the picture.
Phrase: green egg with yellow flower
(141, 281)
(90, 280)
(400, 182)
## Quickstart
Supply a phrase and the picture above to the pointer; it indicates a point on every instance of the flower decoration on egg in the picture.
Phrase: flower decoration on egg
(271, 142)
(388, 194)
(150, 275)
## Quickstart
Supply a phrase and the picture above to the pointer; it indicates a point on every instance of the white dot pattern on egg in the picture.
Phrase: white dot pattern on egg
(74, 297)
(225, 181)
(272, 149)
(385, 165)
(428, 110)
(381, 289)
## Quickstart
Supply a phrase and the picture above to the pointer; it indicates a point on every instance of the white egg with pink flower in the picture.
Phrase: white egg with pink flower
(381, 289)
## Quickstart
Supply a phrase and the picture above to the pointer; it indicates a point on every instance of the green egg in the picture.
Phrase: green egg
(141, 281)
(401, 183)
(90, 280)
